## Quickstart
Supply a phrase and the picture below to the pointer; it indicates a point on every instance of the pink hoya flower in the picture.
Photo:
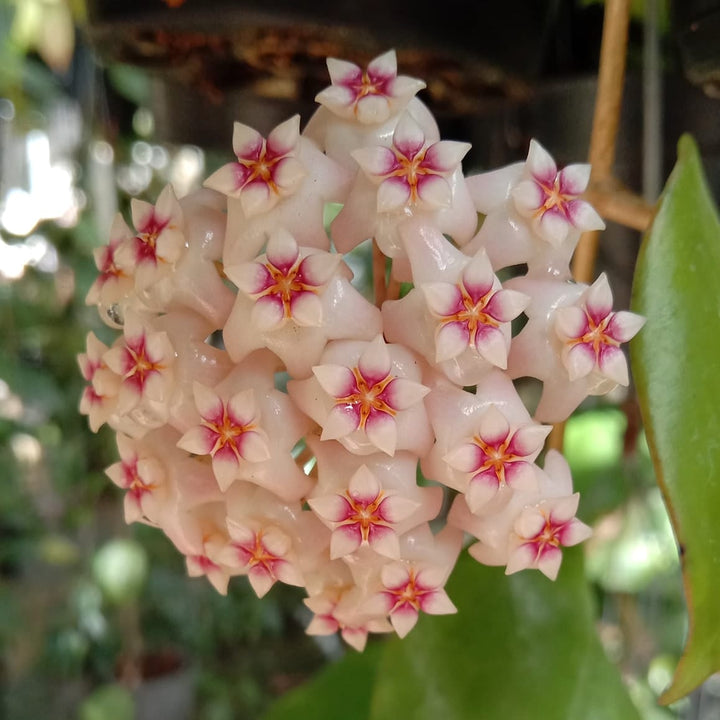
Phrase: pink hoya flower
(98, 403)
(113, 283)
(411, 171)
(458, 315)
(410, 588)
(158, 242)
(363, 514)
(551, 199)
(370, 96)
(229, 431)
(143, 359)
(264, 551)
(143, 476)
(540, 532)
(592, 334)
(371, 399)
(265, 171)
(498, 457)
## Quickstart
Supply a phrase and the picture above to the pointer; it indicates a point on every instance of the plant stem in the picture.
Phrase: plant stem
(378, 268)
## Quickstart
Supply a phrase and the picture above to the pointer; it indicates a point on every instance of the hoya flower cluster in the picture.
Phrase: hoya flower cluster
(271, 420)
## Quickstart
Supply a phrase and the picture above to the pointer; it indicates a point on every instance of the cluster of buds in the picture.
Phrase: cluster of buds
(271, 420)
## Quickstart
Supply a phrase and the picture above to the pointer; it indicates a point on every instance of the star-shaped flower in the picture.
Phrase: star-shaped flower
(370, 96)
(265, 171)
(363, 514)
(113, 283)
(98, 403)
(229, 431)
(551, 199)
(370, 398)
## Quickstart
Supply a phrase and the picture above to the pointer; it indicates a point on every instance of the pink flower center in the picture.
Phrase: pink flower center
(134, 484)
(227, 431)
(412, 169)
(363, 85)
(256, 555)
(554, 197)
(595, 335)
(138, 363)
(146, 240)
(368, 397)
(365, 514)
(262, 168)
(471, 313)
(495, 456)
(286, 286)
(410, 594)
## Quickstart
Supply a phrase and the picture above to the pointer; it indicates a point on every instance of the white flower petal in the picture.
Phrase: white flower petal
(402, 394)
(491, 345)
(336, 380)
(570, 322)
(408, 137)
(573, 179)
(254, 447)
(375, 162)
(552, 227)
(393, 194)
(247, 142)
(613, 365)
(540, 163)
(256, 198)
(579, 361)
(624, 325)
(374, 363)
(451, 340)
(249, 278)
(528, 196)
(442, 298)
(307, 310)
(381, 430)
(494, 427)
(340, 422)
(404, 620)
(284, 137)
(434, 191)
(446, 155)
(267, 313)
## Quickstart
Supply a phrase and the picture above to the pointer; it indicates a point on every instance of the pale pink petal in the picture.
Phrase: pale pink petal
(521, 477)
(553, 227)
(246, 141)
(340, 422)
(374, 363)
(571, 322)
(260, 580)
(342, 71)
(478, 276)
(345, 540)
(256, 198)
(322, 625)
(445, 156)
(318, 268)
(405, 87)
(494, 427)
(451, 340)
(254, 447)
(583, 215)
(267, 313)
(336, 380)
(372, 109)
(284, 137)
(530, 523)
(207, 402)
(404, 619)
(599, 300)
(481, 490)
(396, 508)
(613, 365)
(528, 439)
(239, 532)
(276, 542)
(288, 174)
(241, 407)
(574, 532)
(506, 305)
(579, 361)
(250, 278)
(384, 541)
(437, 603)
(225, 468)
(287, 573)
(573, 179)
(142, 213)
(540, 163)
(624, 325)
(375, 161)
(442, 298)
(307, 310)
(381, 430)
(521, 558)
(491, 345)
(228, 180)
(434, 191)
(282, 250)
(364, 486)
(383, 66)
(528, 196)
(464, 458)
(158, 347)
(334, 508)
(356, 638)
(401, 394)
(393, 194)
(337, 98)
(564, 509)
(394, 575)
(198, 441)
(549, 561)
(408, 137)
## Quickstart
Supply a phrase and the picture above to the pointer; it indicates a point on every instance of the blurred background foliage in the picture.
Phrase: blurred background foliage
(80, 592)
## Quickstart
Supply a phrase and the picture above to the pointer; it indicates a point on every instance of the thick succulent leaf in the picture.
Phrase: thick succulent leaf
(342, 690)
(675, 363)
(520, 647)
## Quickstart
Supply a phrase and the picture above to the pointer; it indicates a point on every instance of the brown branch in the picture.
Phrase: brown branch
(620, 205)
(606, 119)
(378, 269)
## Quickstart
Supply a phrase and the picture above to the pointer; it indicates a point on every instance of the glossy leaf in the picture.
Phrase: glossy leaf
(675, 363)
(520, 647)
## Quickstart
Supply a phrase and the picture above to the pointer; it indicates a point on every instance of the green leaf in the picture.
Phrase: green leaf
(675, 364)
(520, 647)
(342, 690)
